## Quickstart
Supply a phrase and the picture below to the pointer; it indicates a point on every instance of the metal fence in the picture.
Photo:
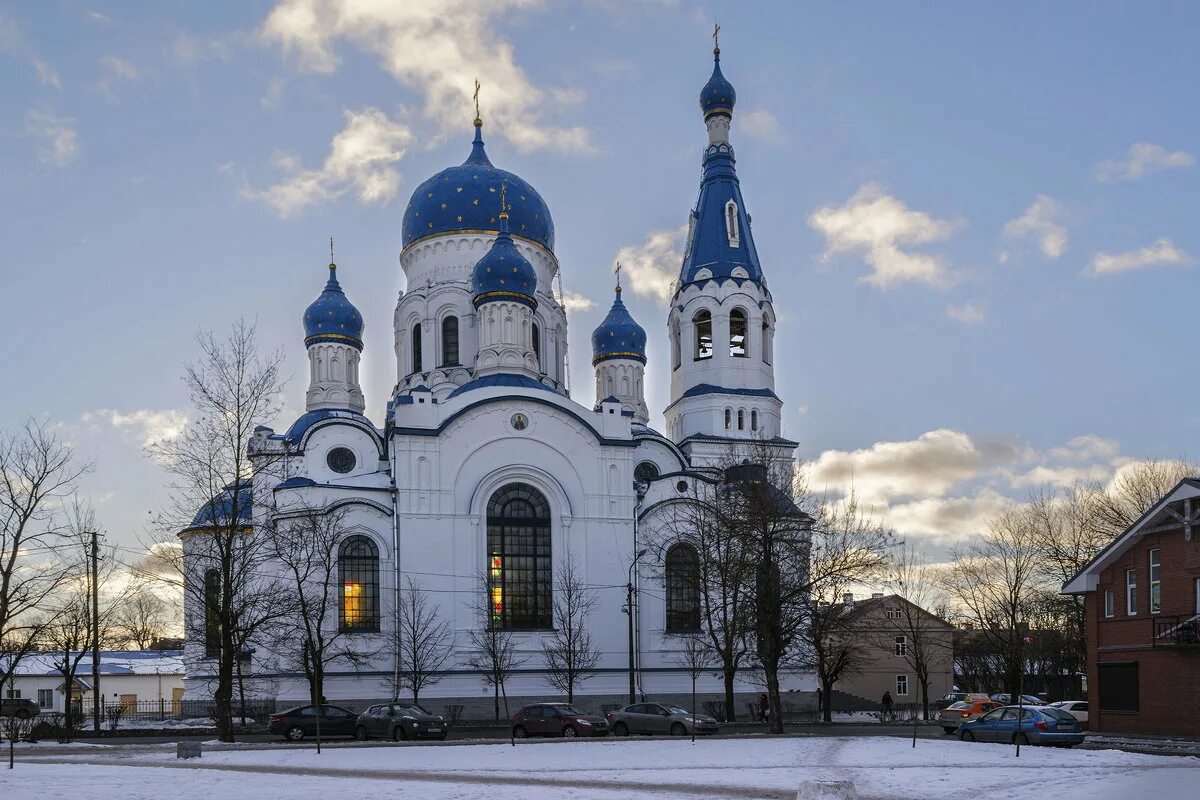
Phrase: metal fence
(116, 714)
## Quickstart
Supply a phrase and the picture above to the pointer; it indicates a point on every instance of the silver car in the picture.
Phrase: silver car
(656, 718)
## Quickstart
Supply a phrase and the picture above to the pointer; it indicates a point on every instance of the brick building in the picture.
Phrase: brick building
(1143, 621)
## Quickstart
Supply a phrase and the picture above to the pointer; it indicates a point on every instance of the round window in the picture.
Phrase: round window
(645, 472)
(519, 422)
(682, 486)
(341, 459)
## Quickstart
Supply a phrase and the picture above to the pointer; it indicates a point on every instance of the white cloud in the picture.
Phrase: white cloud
(437, 47)
(117, 71)
(1040, 222)
(46, 73)
(150, 426)
(758, 123)
(879, 227)
(187, 49)
(966, 313)
(58, 141)
(1162, 253)
(574, 301)
(946, 520)
(362, 158)
(1142, 159)
(652, 267)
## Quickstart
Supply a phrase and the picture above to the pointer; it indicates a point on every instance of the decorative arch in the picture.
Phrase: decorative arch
(683, 588)
(358, 585)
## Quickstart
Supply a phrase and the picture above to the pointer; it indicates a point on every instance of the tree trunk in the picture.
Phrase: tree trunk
(924, 678)
(776, 706)
(827, 698)
(496, 697)
(730, 713)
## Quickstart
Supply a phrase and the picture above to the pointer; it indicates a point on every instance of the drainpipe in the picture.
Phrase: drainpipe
(396, 561)
(636, 610)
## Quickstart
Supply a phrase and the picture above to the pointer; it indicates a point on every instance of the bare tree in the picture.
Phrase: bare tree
(837, 639)
(37, 473)
(141, 619)
(1135, 488)
(305, 544)
(568, 653)
(927, 638)
(696, 656)
(493, 651)
(69, 636)
(227, 587)
(424, 640)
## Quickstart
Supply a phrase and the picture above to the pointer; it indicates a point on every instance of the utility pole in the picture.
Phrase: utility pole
(629, 599)
(95, 570)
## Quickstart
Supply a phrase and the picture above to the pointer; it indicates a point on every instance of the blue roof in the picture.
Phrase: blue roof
(717, 96)
(309, 418)
(503, 273)
(465, 198)
(297, 482)
(708, 388)
(518, 381)
(618, 336)
(219, 510)
(332, 317)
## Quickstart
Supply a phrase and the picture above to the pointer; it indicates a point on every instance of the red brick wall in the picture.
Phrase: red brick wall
(1168, 677)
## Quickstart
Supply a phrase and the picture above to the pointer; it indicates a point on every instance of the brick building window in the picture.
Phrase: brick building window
(1118, 686)
(1155, 583)
(1109, 603)
(1131, 592)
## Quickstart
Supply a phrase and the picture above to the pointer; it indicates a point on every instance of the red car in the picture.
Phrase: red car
(557, 719)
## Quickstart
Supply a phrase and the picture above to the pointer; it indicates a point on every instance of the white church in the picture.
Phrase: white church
(483, 461)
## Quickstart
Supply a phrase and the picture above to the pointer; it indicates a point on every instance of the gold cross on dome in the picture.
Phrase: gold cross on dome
(618, 271)
(716, 31)
(477, 99)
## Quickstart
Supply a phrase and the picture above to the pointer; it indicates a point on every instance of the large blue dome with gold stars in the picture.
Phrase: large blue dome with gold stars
(618, 336)
(466, 199)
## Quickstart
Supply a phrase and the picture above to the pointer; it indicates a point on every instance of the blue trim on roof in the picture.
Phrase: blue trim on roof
(218, 511)
(309, 421)
(297, 482)
(502, 379)
(708, 388)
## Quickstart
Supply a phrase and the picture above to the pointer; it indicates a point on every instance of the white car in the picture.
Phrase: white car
(1076, 708)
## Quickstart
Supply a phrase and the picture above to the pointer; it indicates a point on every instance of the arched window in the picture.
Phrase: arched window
(645, 472)
(731, 223)
(738, 339)
(450, 340)
(537, 344)
(416, 348)
(704, 341)
(683, 588)
(676, 353)
(519, 566)
(358, 577)
(766, 342)
(741, 419)
(754, 420)
(212, 611)
(728, 419)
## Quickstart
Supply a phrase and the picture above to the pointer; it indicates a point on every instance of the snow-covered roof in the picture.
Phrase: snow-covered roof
(112, 662)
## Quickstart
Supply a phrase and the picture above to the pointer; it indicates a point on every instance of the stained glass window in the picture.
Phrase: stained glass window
(519, 565)
(358, 577)
(683, 588)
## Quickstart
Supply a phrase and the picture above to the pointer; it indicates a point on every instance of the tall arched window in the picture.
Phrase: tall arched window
(728, 418)
(731, 223)
(450, 340)
(683, 588)
(738, 334)
(676, 352)
(358, 578)
(416, 348)
(519, 566)
(704, 341)
(754, 420)
(212, 610)
(766, 342)
(741, 419)
(537, 344)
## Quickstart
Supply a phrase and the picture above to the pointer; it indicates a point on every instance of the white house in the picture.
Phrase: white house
(483, 460)
(127, 677)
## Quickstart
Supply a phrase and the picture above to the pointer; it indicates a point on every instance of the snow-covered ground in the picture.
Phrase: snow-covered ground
(880, 767)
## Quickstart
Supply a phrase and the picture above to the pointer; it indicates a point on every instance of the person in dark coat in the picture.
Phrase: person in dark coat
(764, 707)
(887, 705)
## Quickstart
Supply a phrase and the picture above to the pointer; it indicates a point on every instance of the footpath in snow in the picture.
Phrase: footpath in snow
(626, 768)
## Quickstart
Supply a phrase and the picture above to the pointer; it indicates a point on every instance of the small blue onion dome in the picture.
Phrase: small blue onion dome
(618, 336)
(218, 512)
(332, 317)
(503, 273)
(463, 199)
(717, 96)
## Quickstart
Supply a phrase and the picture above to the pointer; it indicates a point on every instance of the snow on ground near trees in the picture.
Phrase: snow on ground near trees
(881, 767)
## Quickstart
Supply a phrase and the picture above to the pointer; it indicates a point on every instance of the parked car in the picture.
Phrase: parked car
(557, 719)
(958, 713)
(950, 698)
(650, 718)
(1026, 699)
(18, 707)
(1040, 725)
(399, 722)
(1076, 708)
(296, 723)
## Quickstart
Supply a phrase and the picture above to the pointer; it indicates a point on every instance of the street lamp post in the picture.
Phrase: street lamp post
(629, 610)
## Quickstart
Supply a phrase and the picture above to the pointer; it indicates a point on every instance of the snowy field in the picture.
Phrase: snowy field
(880, 767)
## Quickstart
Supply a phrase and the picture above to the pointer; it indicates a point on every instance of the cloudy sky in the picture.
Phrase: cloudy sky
(978, 222)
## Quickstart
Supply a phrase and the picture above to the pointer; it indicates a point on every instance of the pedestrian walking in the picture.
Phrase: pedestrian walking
(764, 707)
(887, 707)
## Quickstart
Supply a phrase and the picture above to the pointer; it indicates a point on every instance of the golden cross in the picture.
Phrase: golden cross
(503, 207)
(330, 249)
(716, 43)
(477, 99)
(618, 271)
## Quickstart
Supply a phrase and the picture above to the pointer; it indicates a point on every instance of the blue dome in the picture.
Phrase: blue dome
(332, 317)
(618, 336)
(464, 199)
(717, 96)
(218, 511)
(503, 273)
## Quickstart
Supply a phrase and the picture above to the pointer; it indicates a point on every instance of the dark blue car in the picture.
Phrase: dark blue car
(1040, 725)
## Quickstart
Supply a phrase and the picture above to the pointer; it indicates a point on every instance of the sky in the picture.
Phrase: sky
(977, 220)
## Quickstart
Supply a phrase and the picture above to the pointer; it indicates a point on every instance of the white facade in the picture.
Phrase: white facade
(480, 406)
(125, 677)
